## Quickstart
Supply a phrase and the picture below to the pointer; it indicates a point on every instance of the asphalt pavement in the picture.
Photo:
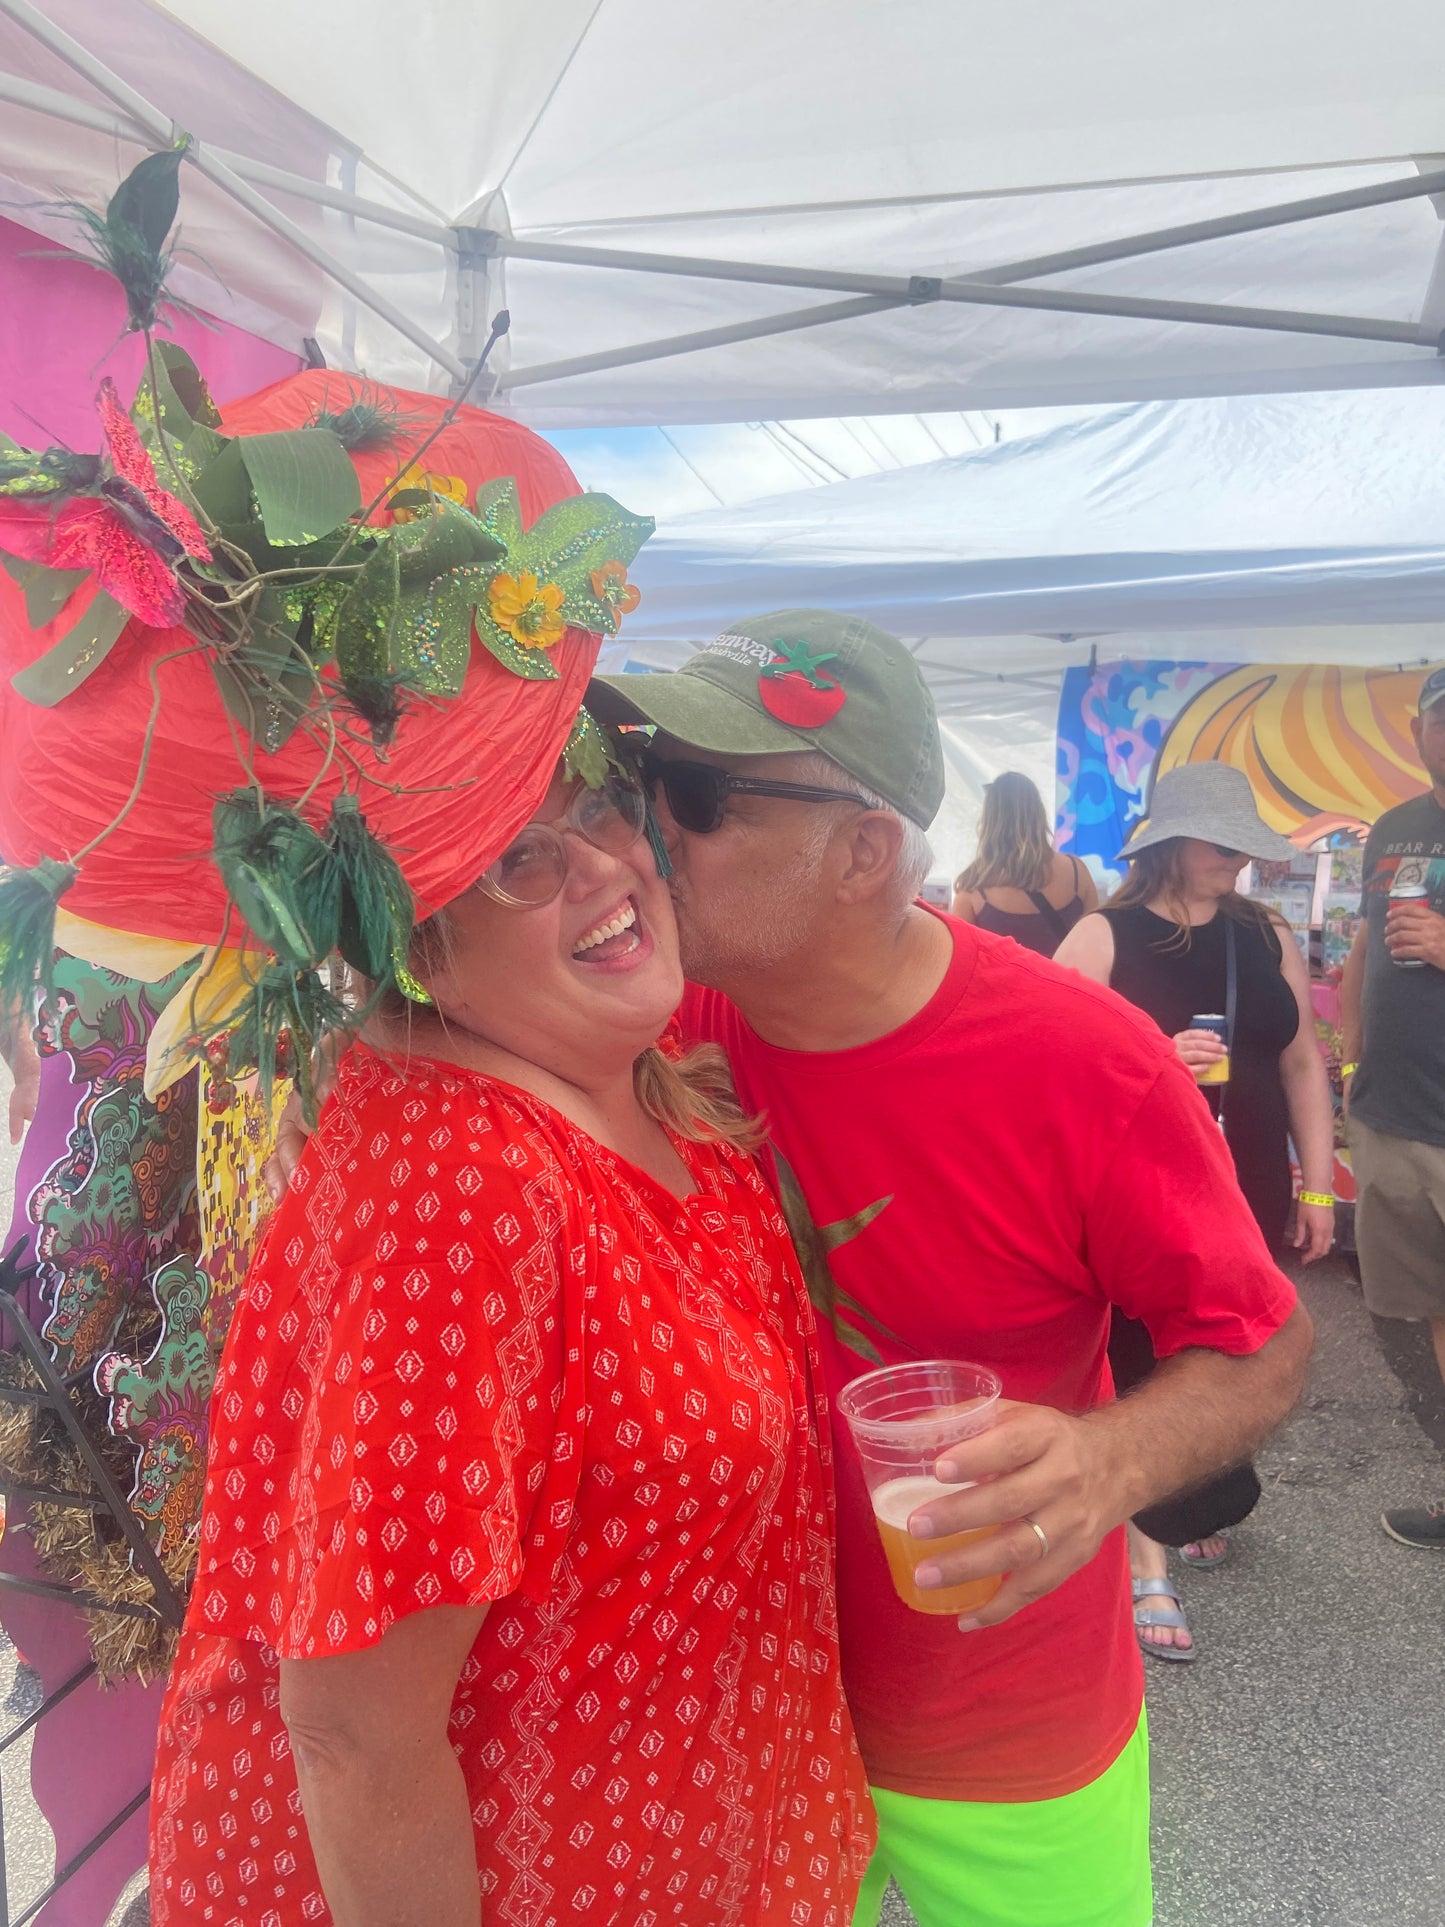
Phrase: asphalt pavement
(1299, 1764)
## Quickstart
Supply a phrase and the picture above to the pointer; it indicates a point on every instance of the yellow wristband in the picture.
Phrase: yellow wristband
(1317, 1197)
(1348, 1070)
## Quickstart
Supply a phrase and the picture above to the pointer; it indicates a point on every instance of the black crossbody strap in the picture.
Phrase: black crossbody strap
(1231, 981)
(1052, 917)
(1231, 998)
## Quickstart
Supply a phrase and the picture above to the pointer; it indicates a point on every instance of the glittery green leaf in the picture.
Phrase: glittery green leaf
(404, 598)
(567, 545)
(498, 511)
(364, 622)
(585, 752)
(447, 630)
(175, 416)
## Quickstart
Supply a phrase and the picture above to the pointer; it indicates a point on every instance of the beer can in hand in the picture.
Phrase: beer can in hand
(1217, 1072)
(1409, 893)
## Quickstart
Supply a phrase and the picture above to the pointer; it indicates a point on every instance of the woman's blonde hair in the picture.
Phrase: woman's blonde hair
(1014, 845)
(1157, 874)
(691, 1094)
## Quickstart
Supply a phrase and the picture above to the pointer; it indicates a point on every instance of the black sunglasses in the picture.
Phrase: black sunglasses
(697, 793)
(1223, 849)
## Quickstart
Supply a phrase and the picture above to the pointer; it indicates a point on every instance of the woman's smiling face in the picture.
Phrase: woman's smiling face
(580, 985)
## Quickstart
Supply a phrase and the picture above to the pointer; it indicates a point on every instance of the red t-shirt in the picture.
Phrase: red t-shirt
(1045, 1155)
(482, 1359)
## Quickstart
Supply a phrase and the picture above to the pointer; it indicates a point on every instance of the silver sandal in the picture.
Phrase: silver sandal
(1146, 1616)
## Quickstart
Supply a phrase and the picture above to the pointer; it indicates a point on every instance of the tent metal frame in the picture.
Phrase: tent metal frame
(474, 248)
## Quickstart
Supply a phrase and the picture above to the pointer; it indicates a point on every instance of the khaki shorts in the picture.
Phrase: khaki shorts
(1399, 1222)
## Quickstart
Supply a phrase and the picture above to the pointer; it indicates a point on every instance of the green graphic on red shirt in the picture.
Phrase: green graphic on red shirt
(795, 690)
(814, 1243)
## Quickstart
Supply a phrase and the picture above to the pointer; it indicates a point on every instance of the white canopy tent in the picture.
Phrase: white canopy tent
(823, 208)
(1277, 529)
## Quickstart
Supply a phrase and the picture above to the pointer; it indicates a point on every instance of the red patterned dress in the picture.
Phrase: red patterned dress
(481, 1358)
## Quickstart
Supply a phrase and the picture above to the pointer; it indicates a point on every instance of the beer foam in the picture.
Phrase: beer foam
(893, 1502)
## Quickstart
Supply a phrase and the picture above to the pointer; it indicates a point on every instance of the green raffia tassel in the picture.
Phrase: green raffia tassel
(280, 875)
(27, 928)
(376, 906)
(279, 1026)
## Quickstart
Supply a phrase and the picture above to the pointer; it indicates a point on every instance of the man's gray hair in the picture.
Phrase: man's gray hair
(915, 852)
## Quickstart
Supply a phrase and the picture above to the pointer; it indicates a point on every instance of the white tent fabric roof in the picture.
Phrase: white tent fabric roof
(827, 153)
(1258, 529)
(1319, 514)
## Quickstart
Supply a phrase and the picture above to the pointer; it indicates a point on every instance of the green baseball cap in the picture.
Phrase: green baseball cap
(797, 680)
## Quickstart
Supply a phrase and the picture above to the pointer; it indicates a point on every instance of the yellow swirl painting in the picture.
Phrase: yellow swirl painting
(1325, 748)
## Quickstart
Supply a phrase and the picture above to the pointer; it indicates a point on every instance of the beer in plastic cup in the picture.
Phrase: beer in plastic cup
(903, 1418)
(1217, 1072)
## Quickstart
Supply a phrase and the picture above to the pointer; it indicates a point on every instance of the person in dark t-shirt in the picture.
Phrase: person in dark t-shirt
(1393, 994)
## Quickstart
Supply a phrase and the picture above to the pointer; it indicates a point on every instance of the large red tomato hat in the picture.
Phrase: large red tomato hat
(283, 681)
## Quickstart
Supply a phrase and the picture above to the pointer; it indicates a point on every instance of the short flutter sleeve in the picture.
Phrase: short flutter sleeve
(395, 1423)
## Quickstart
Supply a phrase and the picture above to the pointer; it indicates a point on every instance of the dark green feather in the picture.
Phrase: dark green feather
(280, 876)
(377, 910)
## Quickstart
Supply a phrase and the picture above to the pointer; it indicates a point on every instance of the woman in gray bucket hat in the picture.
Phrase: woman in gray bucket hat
(1172, 939)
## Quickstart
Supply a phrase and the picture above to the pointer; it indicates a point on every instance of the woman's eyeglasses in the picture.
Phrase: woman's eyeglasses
(533, 868)
(697, 793)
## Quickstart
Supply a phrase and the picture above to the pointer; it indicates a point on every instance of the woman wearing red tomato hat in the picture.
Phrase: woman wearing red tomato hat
(515, 1586)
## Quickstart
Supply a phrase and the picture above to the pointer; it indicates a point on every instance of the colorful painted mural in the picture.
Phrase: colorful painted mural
(1327, 749)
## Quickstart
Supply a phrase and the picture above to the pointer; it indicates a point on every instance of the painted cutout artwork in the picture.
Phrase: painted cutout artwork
(1327, 749)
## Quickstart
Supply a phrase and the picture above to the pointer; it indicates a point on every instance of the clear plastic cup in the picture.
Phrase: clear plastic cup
(903, 1418)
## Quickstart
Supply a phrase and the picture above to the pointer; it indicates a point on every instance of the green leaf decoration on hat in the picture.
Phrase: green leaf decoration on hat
(432, 640)
(46, 590)
(585, 753)
(280, 876)
(303, 482)
(462, 601)
(175, 415)
(27, 928)
(267, 679)
(563, 547)
(78, 654)
(796, 658)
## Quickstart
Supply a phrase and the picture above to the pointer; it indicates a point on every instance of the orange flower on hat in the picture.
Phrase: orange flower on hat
(529, 611)
(613, 590)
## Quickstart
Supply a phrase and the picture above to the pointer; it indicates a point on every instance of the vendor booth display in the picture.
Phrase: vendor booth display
(257, 662)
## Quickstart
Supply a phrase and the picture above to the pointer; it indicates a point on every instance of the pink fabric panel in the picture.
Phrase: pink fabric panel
(62, 327)
(92, 1754)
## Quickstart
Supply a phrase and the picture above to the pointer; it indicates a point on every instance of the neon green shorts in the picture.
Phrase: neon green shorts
(1078, 1861)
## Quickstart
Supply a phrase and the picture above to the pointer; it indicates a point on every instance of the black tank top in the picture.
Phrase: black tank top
(1173, 983)
(1041, 929)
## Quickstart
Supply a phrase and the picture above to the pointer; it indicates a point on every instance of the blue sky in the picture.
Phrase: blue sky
(674, 471)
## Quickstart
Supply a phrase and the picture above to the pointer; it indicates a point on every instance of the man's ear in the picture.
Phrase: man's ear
(875, 838)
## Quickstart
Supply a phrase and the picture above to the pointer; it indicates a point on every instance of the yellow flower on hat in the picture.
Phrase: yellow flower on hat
(529, 611)
(450, 488)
